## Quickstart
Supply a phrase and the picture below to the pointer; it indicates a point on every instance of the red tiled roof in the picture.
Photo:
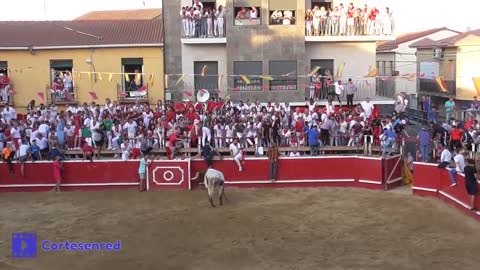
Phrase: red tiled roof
(90, 33)
(132, 14)
(391, 45)
(446, 42)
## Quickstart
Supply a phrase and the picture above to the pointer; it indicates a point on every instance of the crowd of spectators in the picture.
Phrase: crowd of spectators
(200, 22)
(348, 21)
(135, 130)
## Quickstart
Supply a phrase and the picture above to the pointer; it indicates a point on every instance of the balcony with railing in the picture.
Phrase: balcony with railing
(61, 95)
(432, 87)
(327, 24)
(132, 93)
(205, 27)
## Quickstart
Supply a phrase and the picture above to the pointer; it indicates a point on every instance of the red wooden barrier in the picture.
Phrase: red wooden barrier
(428, 180)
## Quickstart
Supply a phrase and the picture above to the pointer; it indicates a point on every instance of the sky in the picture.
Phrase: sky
(410, 15)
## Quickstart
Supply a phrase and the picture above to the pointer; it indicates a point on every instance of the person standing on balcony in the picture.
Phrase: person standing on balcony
(343, 20)
(449, 108)
(350, 20)
(387, 28)
(309, 22)
(351, 89)
(220, 15)
(323, 21)
(334, 17)
(210, 19)
(4, 88)
(372, 17)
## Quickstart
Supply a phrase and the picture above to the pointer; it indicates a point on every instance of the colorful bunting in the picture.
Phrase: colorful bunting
(372, 72)
(99, 76)
(110, 77)
(268, 78)
(441, 83)
(314, 71)
(41, 95)
(93, 95)
(180, 79)
(476, 82)
(245, 79)
(89, 74)
(127, 77)
(151, 80)
(204, 70)
(138, 78)
(187, 93)
(340, 70)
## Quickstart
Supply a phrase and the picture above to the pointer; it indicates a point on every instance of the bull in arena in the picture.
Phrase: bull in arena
(214, 182)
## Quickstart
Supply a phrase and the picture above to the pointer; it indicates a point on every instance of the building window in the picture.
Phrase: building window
(206, 76)
(207, 4)
(251, 70)
(4, 68)
(61, 79)
(321, 3)
(132, 82)
(282, 12)
(284, 74)
(247, 12)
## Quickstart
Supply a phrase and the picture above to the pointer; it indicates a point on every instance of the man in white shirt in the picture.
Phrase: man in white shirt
(367, 107)
(339, 87)
(459, 166)
(131, 127)
(9, 114)
(236, 153)
(445, 158)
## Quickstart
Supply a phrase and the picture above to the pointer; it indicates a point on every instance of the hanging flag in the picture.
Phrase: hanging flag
(127, 77)
(476, 82)
(110, 77)
(204, 70)
(441, 84)
(268, 78)
(340, 70)
(138, 78)
(187, 93)
(151, 77)
(314, 71)
(180, 79)
(151, 80)
(245, 79)
(99, 76)
(79, 77)
(372, 72)
(220, 80)
(41, 95)
(93, 95)
(89, 75)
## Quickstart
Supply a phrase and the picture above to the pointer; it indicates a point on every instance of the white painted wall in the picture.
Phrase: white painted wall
(208, 52)
(358, 58)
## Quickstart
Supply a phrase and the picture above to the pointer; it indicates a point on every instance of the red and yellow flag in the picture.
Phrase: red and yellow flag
(372, 72)
(245, 79)
(476, 82)
(441, 83)
(340, 70)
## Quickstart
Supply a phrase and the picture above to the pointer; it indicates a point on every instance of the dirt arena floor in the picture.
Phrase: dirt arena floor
(323, 228)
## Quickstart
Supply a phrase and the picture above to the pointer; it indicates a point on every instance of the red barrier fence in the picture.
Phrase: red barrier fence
(428, 180)
(336, 171)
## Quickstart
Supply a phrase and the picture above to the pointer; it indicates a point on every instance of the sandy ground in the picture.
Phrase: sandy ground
(323, 228)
